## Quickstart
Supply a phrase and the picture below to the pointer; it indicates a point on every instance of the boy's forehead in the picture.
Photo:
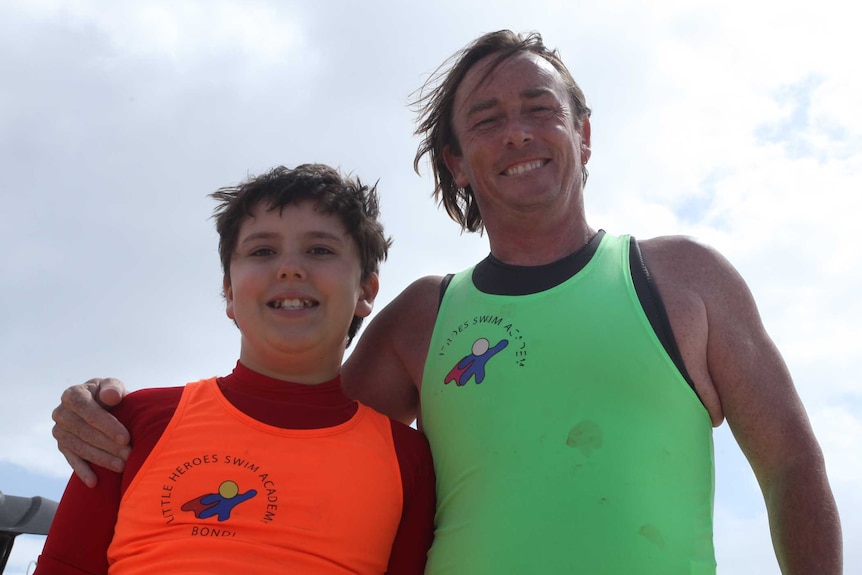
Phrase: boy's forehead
(296, 217)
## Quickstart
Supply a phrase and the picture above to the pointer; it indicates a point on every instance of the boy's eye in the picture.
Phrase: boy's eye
(320, 251)
(263, 252)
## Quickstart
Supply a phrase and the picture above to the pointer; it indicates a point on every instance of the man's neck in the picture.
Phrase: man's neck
(535, 244)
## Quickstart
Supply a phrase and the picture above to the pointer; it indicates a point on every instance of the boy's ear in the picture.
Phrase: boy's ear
(368, 293)
(228, 298)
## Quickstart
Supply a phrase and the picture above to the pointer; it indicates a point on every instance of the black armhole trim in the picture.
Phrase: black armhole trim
(443, 285)
(654, 309)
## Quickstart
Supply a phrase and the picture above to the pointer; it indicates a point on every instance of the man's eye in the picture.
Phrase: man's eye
(263, 252)
(485, 122)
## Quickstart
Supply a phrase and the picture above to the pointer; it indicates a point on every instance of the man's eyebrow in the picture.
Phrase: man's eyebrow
(529, 93)
(482, 106)
(537, 92)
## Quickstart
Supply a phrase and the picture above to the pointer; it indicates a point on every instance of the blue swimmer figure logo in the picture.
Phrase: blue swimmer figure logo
(220, 503)
(474, 364)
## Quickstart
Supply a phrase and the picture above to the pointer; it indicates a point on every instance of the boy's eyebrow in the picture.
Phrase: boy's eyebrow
(255, 236)
(268, 235)
(324, 235)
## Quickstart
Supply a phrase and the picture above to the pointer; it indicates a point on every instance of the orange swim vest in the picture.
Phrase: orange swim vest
(224, 493)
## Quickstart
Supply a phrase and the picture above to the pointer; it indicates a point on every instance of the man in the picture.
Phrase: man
(568, 383)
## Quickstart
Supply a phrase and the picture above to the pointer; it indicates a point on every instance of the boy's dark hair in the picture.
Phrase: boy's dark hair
(435, 101)
(355, 204)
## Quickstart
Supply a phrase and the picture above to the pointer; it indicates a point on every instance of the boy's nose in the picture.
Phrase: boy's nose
(291, 268)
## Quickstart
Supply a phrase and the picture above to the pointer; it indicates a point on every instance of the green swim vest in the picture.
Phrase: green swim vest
(565, 440)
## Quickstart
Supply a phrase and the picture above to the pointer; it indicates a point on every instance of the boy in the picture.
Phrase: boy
(272, 468)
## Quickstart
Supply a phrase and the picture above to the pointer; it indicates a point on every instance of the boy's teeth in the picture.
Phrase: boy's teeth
(292, 304)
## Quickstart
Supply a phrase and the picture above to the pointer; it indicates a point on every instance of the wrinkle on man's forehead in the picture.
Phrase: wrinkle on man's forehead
(489, 67)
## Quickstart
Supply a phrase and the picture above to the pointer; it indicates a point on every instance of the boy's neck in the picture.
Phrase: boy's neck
(300, 370)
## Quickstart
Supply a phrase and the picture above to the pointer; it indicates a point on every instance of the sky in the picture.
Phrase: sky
(734, 122)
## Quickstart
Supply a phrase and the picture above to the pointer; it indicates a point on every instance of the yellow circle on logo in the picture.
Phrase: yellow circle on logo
(228, 489)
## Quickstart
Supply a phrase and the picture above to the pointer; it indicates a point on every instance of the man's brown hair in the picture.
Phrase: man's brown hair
(436, 99)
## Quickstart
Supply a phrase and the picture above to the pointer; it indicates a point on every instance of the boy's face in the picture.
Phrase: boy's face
(296, 283)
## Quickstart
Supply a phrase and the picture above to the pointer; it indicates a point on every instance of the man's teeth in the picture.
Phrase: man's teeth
(521, 168)
(292, 304)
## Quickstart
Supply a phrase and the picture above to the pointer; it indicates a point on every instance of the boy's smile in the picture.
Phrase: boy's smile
(295, 286)
(291, 303)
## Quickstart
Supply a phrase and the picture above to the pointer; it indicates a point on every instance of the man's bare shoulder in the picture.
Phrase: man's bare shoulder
(707, 303)
(689, 264)
(425, 290)
(415, 308)
(385, 369)
(684, 255)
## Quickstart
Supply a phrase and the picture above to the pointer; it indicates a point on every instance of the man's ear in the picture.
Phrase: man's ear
(454, 163)
(228, 298)
(586, 151)
(368, 292)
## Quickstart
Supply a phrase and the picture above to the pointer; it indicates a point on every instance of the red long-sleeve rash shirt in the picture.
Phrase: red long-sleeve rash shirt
(84, 524)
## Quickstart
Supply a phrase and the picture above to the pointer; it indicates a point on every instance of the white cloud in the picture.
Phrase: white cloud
(734, 121)
(263, 32)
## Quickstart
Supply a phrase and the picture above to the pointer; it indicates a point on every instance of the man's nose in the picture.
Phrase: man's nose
(518, 132)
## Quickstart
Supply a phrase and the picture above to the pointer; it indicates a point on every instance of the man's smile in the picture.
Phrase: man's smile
(524, 167)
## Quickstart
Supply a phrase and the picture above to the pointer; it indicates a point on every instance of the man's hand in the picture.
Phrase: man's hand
(86, 432)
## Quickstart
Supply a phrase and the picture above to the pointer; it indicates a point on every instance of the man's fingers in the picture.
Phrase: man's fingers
(86, 432)
(79, 452)
(111, 391)
(81, 415)
(79, 437)
(81, 468)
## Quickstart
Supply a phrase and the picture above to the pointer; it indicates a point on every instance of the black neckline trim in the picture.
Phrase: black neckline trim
(494, 277)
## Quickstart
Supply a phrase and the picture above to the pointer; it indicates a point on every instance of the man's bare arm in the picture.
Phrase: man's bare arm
(385, 370)
(86, 432)
(757, 397)
(770, 424)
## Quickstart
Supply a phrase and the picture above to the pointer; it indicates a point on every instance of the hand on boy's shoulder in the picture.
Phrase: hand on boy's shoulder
(110, 391)
(151, 402)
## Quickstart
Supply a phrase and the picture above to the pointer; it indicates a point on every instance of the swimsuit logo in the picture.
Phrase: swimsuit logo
(219, 504)
(209, 470)
(473, 365)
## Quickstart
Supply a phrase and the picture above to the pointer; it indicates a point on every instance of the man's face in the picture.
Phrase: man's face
(520, 149)
(296, 283)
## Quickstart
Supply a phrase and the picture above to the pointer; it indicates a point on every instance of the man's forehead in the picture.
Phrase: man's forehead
(484, 73)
